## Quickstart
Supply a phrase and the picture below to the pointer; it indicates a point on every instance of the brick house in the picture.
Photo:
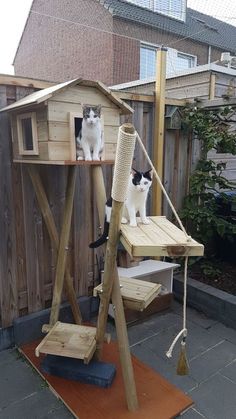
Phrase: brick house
(115, 41)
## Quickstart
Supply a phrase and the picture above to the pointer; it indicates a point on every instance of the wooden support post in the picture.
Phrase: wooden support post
(53, 234)
(111, 286)
(123, 344)
(63, 245)
(158, 139)
(108, 277)
(100, 191)
(212, 86)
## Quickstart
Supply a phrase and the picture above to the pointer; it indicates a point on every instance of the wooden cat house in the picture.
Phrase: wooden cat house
(45, 124)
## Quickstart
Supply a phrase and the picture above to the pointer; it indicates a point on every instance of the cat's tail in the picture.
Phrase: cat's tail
(102, 239)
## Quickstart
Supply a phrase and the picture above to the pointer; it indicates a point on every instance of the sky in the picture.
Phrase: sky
(13, 15)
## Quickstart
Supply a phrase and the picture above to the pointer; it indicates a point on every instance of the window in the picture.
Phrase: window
(27, 134)
(171, 8)
(175, 61)
(147, 62)
(185, 61)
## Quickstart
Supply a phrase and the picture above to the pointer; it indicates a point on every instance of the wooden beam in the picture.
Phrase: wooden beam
(63, 245)
(212, 86)
(53, 234)
(111, 287)
(158, 138)
(140, 97)
(216, 103)
(6, 79)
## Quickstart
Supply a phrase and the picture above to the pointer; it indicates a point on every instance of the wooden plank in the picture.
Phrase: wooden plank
(136, 294)
(59, 150)
(8, 262)
(84, 95)
(148, 240)
(158, 144)
(63, 246)
(24, 82)
(58, 112)
(69, 340)
(34, 245)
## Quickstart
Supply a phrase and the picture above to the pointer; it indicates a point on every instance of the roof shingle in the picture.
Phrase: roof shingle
(198, 26)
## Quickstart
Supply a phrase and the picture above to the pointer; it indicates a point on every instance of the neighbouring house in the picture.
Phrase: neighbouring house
(115, 41)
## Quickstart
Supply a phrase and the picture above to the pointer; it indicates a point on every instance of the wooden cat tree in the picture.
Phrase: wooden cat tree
(160, 238)
(43, 131)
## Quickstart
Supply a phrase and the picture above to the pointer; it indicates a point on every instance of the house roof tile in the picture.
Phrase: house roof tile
(198, 26)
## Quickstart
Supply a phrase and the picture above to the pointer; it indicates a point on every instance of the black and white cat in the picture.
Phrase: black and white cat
(138, 188)
(90, 141)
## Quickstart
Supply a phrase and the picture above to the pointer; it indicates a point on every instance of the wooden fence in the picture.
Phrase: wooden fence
(27, 260)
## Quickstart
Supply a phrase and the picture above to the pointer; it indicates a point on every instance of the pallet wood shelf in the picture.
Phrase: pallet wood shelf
(66, 162)
(136, 294)
(71, 340)
(159, 238)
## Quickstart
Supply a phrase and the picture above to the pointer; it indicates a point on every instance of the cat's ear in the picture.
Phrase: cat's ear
(133, 171)
(149, 173)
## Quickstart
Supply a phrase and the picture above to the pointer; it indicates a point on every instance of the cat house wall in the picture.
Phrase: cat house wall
(43, 124)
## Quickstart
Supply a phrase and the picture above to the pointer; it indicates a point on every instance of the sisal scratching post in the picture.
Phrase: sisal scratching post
(124, 157)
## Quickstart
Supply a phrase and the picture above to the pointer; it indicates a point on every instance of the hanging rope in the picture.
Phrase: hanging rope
(182, 368)
(183, 332)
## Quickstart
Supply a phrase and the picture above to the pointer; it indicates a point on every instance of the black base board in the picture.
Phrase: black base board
(97, 373)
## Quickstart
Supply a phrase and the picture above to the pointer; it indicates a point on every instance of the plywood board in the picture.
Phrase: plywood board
(159, 238)
(70, 340)
(158, 398)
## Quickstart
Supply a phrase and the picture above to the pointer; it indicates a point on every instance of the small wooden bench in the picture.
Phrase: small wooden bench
(71, 340)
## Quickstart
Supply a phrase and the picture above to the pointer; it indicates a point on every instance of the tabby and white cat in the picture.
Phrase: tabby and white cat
(135, 202)
(90, 141)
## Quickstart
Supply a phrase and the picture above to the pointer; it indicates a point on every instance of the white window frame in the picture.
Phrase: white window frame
(188, 56)
(21, 142)
(152, 47)
(153, 5)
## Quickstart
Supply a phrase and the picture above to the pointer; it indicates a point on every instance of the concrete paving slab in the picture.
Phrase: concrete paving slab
(212, 360)
(224, 332)
(230, 372)
(198, 341)
(18, 380)
(215, 398)
(163, 367)
(192, 414)
(42, 404)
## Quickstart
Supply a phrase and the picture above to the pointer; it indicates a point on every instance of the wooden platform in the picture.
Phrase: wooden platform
(159, 238)
(69, 340)
(136, 294)
(158, 398)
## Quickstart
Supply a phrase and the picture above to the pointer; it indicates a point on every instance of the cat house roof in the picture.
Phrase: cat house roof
(45, 94)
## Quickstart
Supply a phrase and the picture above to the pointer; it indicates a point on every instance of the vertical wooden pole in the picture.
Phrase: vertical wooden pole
(53, 234)
(100, 191)
(111, 286)
(123, 344)
(63, 245)
(212, 86)
(159, 119)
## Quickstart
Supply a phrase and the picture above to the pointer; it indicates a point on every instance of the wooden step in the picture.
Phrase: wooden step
(159, 238)
(136, 294)
(71, 340)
